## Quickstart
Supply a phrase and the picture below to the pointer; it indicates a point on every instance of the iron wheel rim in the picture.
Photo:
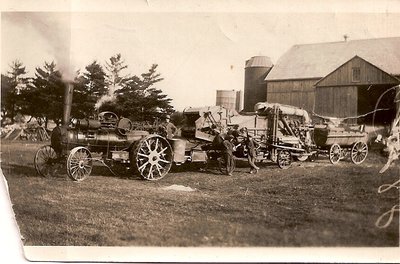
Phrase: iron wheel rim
(153, 158)
(45, 160)
(335, 153)
(359, 152)
(79, 164)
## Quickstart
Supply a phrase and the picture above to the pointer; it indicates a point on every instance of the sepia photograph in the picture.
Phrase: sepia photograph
(198, 131)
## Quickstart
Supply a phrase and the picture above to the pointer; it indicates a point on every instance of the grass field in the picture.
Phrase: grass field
(310, 204)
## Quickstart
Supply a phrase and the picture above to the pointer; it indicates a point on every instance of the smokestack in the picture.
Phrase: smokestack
(69, 90)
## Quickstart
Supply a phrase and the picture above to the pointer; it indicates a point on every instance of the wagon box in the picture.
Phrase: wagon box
(325, 136)
(342, 141)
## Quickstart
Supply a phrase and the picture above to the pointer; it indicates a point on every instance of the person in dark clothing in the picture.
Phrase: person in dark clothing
(168, 129)
(227, 153)
(251, 146)
(234, 133)
(222, 142)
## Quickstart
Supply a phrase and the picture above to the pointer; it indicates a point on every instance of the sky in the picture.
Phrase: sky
(197, 52)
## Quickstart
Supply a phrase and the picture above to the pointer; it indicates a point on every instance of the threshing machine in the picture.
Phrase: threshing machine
(281, 131)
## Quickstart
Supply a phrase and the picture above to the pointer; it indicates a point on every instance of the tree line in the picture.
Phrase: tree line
(96, 89)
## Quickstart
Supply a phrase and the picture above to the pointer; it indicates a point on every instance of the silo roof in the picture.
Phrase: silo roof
(259, 61)
(318, 60)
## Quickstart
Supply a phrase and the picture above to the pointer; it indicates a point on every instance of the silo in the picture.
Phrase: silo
(255, 88)
(226, 98)
(239, 101)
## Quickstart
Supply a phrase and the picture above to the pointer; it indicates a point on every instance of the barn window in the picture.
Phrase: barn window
(356, 74)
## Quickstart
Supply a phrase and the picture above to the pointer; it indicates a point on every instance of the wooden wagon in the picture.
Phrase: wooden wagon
(341, 142)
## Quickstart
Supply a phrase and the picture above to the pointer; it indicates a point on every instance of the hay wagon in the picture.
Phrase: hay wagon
(342, 142)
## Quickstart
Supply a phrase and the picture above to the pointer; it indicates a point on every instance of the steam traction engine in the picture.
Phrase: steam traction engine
(148, 155)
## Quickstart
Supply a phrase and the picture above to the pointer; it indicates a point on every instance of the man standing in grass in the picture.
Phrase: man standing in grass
(251, 146)
(222, 142)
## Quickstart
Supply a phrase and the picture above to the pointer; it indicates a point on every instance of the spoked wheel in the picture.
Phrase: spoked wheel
(79, 163)
(284, 159)
(302, 157)
(152, 157)
(359, 152)
(227, 169)
(335, 153)
(46, 161)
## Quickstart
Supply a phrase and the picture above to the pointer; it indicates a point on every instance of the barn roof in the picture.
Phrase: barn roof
(317, 60)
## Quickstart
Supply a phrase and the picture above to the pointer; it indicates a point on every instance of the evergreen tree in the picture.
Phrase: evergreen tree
(12, 85)
(139, 100)
(46, 94)
(156, 104)
(6, 98)
(95, 80)
(115, 77)
(89, 88)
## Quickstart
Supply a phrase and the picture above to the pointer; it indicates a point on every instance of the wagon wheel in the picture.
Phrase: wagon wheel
(222, 165)
(335, 153)
(359, 152)
(45, 161)
(79, 163)
(152, 157)
(302, 157)
(284, 159)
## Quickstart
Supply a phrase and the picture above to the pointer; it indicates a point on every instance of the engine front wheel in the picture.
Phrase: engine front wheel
(79, 163)
(152, 157)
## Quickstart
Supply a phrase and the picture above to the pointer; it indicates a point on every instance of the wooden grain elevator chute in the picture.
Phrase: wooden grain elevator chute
(255, 71)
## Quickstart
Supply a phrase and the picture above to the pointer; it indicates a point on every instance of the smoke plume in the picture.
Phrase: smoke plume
(55, 29)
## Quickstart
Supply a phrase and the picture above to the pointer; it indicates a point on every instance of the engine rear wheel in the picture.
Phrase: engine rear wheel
(79, 163)
(45, 161)
(359, 152)
(152, 157)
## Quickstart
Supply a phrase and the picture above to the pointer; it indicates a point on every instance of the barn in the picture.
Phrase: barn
(338, 79)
